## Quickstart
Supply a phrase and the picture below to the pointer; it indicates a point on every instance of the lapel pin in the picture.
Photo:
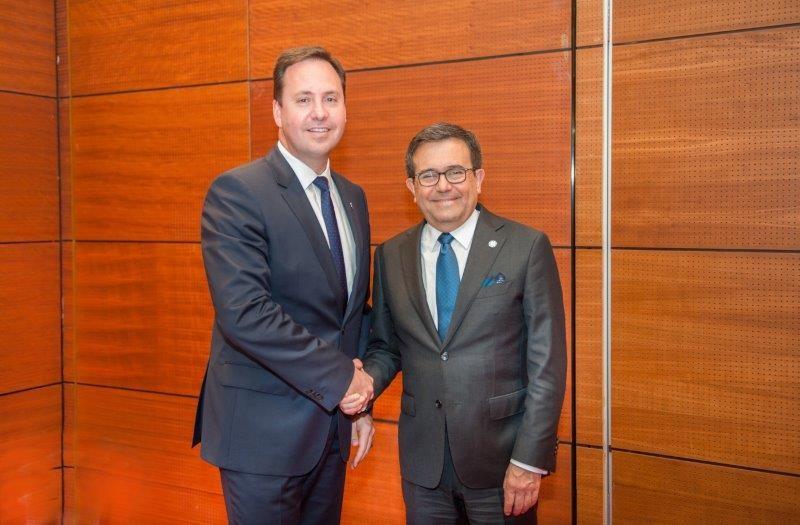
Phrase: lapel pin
(351, 205)
(492, 243)
(500, 278)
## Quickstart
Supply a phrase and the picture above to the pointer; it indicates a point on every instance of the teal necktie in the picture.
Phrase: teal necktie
(447, 281)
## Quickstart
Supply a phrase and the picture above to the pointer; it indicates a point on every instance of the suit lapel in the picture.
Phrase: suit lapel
(480, 261)
(412, 261)
(348, 198)
(295, 196)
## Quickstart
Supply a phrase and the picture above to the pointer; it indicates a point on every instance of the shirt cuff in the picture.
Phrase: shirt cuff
(529, 468)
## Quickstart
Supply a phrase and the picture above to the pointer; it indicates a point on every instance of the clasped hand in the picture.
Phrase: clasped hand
(359, 393)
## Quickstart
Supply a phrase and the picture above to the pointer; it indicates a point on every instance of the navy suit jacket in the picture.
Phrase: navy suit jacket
(284, 333)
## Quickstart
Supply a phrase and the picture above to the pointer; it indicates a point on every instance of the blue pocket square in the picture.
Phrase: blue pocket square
(494, 279)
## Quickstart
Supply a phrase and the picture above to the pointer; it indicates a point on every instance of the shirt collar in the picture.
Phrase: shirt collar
(304, 173)
(462, 235)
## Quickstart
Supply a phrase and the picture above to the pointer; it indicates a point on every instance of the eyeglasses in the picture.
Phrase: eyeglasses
(453, 175)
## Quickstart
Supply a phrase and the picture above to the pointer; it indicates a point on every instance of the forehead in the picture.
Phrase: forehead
(441, 154)
(312, 75)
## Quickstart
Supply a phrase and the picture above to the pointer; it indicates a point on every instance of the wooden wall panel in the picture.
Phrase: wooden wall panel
(133, 463)
(142, 162)
(373, 490)
(27, 47)
(589, 22)
(29, 316)
(518, 107)
(62, 49)
(65, 168)
(704, 146)
(589, 147)
(143, 316)
(387, 406)
(705, 356)
(589, 346)
(659, 490)
(383, 34)
(555, 496)
(30, 430)
(119, 45)
(590, 486)
(634, 20)
(28, 177)
(68, 310)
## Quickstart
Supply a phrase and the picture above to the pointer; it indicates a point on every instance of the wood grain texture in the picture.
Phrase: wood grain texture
(62, 49)
(373, 490)
(30, 430)
(704, 142)
(27, 47)
(133, 461)
(68, 309)
(119, 45)
(659, 490)
(635, 20)
(589, 22)
(384, 34)
(29, 316)
(518, 107)
(705, 360)
(142, 162)
(387, 406)
(589, 346)
(28, 168)
(143, 316)
(65, 167)
(590, 486)
(589, 147)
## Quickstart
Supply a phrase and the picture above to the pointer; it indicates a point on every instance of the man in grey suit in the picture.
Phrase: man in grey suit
(469, 306)
(286, 250)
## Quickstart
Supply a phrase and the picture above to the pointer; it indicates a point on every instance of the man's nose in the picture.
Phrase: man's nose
(443, 185)
(318, 110)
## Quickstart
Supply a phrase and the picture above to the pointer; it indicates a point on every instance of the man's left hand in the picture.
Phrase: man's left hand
(363, 432)
(521, 488)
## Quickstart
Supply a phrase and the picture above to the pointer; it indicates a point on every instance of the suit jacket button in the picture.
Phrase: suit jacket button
(438, 404)
(444, 356)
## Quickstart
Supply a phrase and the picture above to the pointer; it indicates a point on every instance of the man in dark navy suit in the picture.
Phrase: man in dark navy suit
(286, 250)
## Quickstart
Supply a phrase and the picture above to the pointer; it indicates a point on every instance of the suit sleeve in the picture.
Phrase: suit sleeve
(546, 359)
(236, 258)
(382, 360)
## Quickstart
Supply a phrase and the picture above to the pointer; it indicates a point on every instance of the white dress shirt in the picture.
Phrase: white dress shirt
(306, 176)
(429, 248)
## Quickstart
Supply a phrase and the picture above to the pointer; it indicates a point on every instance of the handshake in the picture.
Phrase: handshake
(359, 393)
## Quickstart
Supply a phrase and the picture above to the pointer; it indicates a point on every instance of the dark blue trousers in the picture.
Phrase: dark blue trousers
(312, 499)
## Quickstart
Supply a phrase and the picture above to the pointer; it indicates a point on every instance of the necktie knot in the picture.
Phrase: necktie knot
(321, 183)
(445, 239)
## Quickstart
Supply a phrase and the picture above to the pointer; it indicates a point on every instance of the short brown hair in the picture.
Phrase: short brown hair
(292, 56)
(444, 131)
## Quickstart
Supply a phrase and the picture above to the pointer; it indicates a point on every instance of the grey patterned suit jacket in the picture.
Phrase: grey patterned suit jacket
(497, 380)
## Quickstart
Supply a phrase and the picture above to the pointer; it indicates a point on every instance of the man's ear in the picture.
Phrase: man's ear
(411, 187)
(276, 112)
(479, 175)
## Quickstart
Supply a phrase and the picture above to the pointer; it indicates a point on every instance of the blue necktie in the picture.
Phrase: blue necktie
(334, 241)
(447, 281)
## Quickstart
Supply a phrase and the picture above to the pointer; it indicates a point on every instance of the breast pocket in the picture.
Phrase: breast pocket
(494, 290)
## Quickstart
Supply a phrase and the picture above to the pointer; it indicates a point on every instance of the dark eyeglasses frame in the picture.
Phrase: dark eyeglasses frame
(446, 176)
